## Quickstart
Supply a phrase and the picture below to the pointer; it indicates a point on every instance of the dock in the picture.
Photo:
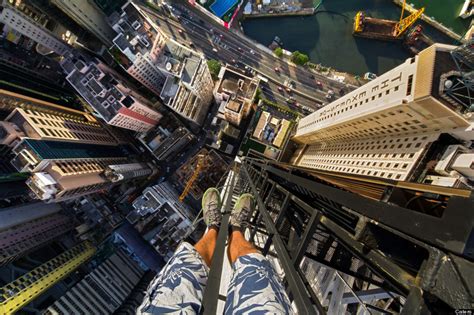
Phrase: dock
(433, 22)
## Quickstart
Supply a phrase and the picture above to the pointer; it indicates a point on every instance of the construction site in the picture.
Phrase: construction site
(202, 171)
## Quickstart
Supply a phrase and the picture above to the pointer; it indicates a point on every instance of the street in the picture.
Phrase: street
(197, 31)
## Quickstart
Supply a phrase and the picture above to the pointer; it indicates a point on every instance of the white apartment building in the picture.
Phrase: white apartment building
(27, 26)
(49, 126)
(107, 94)
(386, 127)
(89, 16)
(188, 87)
(177, 74)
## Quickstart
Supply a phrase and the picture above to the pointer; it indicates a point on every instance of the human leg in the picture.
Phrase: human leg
(255, 286)
(180, 285)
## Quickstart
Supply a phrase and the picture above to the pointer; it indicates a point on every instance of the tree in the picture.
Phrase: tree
(299, 58)
(278, 52)
(214, 68)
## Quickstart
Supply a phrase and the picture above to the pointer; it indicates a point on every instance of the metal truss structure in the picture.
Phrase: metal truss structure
(343, 252)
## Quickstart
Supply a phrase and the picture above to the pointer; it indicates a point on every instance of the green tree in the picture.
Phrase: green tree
(214, 68)
(299, 58)
(278, 52)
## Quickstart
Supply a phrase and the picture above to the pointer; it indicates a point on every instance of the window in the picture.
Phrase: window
(409, 84)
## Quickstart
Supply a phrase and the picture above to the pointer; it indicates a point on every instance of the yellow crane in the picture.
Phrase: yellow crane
(369, 27)
(199, 165)
(405, 23)
(29, 286)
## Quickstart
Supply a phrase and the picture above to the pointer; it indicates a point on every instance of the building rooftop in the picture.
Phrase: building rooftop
(135, 33)
(178, 60)
(232, 82)
(46, 149)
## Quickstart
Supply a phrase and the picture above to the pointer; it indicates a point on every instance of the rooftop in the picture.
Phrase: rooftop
(241, 86)
(46, 149)
(178, 60)
(98, 86)
(135, 33)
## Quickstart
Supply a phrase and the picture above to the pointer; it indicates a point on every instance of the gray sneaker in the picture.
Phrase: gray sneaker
(243, 208)
(211, 207)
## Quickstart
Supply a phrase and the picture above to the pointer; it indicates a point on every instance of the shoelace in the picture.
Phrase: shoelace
(212, 206)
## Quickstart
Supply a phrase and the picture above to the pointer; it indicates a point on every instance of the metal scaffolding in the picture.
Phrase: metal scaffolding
(342, 252)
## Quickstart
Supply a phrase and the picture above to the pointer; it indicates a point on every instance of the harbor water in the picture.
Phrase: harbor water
(327, 36)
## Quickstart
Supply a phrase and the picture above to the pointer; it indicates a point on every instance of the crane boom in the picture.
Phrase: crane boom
(192, 179)
(405, 23)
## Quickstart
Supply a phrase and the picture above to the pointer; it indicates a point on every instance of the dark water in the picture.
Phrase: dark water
(327, 36)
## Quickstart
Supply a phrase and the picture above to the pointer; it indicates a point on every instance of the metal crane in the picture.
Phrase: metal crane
(201, 162)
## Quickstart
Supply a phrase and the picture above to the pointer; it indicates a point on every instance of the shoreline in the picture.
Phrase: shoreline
(432, 22)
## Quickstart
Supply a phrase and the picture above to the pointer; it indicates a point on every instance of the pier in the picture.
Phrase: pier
(432, 22)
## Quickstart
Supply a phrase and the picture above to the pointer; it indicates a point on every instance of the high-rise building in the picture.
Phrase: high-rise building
(235, 93)
(397, 126)
(174, 216)
(103, 290)
(164, 144)
(26, 227)
(89, 16)
(111, 99)
(68, 157)
(120, 172)
(65, 170)
(52, 126)
(26, 288)
(20, 22)
(138, 43)
(177, 74)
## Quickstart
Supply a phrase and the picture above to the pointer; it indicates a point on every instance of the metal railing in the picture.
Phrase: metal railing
(410, 259)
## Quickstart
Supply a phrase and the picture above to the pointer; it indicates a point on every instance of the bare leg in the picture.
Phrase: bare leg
(239, 246)
(206, 245)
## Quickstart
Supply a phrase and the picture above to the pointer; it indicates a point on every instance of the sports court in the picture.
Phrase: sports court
(220, 7)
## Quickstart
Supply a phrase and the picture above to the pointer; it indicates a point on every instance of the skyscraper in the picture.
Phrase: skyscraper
(26, 288)
(103, 290)
(26, 227)
(177, 74)
(396, 127)
(111, 99)
(174, 217)
(89, 16)
(28, 26)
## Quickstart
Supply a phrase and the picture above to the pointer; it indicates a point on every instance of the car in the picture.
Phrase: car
(330, 94)
(319, 84)
(180, 31)
(234, 61)
(214, 50)
(280, 89)
(277, 69)
(288, 90)
(252, 51)
(239, 49)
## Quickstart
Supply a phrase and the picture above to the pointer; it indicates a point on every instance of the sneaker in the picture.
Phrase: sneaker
(211, 207)
(240, 216)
